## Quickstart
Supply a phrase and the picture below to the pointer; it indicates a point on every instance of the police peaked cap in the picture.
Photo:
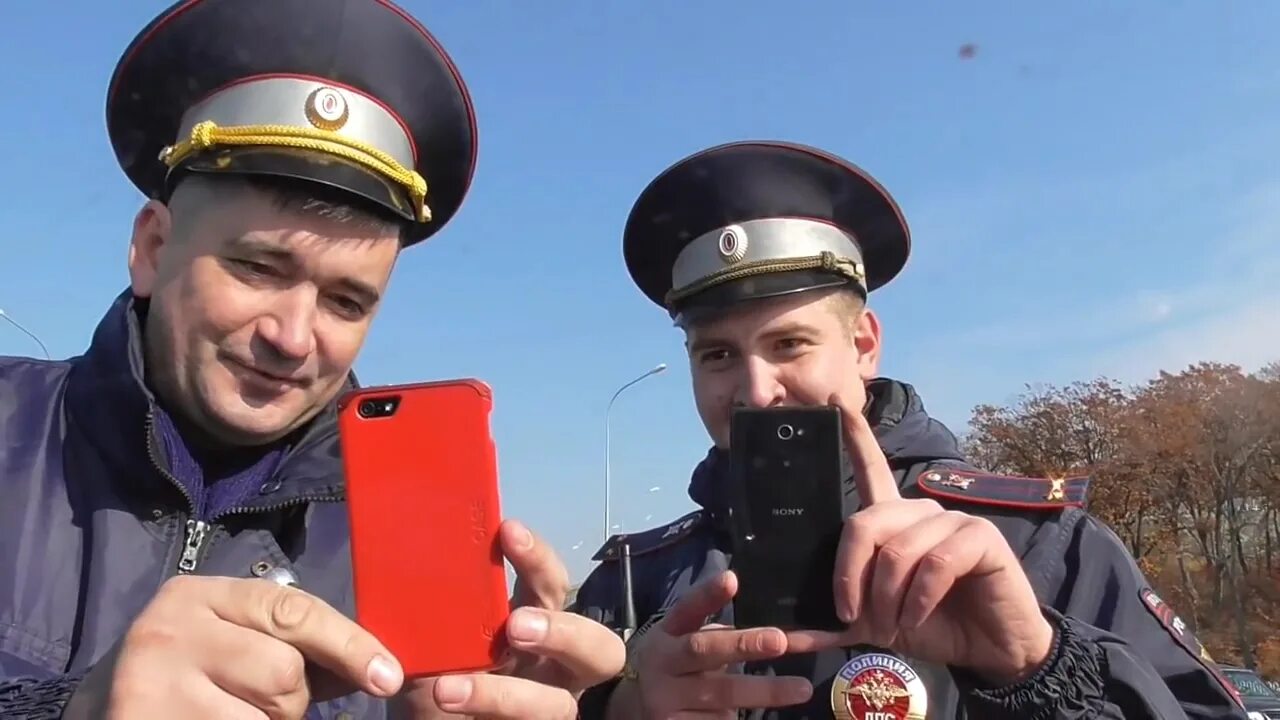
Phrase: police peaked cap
(759, 219)
(352, 94)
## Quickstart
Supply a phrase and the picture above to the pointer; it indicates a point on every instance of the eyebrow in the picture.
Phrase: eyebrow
(703, 344)
(367, 294)
(791, 328)
(249, 246)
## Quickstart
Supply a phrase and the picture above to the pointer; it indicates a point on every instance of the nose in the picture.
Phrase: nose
(761, 385)
(289, 327)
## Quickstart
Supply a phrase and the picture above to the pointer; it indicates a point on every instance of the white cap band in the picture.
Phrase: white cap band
(764, 240)
(301, 102)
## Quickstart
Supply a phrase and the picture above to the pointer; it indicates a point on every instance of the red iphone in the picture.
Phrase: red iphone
(422, 495)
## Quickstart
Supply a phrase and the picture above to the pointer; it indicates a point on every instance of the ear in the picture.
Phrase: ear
(152, 234)
(866, 338)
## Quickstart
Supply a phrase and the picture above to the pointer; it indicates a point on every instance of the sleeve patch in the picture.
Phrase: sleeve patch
(1177, 628)
(1004, 490)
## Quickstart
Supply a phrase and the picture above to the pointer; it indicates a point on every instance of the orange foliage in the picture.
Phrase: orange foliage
(1187, 472)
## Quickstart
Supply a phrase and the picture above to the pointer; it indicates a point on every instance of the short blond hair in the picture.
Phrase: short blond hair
(848, 304)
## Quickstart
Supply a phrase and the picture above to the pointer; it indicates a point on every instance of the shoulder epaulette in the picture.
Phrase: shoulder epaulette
(1010, 491)
(1183, 635)
(650, 540)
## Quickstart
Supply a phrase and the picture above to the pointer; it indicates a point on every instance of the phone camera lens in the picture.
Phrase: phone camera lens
(786, 432)
(378, 407)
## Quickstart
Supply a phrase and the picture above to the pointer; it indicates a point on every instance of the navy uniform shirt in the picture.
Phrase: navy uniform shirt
(1119, 651)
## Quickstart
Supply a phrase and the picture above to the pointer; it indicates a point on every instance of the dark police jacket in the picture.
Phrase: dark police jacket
(90, 526)
(1119, 652)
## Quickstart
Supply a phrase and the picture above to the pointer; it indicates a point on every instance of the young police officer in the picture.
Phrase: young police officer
(152, 488)
(966, 594)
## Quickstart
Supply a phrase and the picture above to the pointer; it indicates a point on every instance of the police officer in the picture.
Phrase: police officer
(965, 594)
(173, 529)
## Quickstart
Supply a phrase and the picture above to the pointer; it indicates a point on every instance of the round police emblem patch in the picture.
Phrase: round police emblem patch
(327, 108)
(876, 686)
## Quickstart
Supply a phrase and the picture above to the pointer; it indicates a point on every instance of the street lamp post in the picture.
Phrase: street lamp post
(659, 368)
(6, 316)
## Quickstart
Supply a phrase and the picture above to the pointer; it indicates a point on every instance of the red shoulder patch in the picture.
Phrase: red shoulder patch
(1026, 493)
(1175, 626)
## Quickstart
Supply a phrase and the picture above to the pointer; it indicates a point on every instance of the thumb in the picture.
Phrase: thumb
(416, 701)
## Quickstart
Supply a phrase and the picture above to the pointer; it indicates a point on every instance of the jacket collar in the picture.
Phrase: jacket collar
(108, 400)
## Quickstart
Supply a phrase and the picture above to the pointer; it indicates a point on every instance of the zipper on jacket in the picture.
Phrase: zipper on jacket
(197, 532)
(292, 502)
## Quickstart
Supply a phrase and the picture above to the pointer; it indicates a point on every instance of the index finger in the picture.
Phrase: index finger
(871, 471)
(323, 635)
(703, 600)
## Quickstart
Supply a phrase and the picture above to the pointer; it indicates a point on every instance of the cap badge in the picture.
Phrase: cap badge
(876, 686)
(1056, 491)
(327, 108)
(733, 244)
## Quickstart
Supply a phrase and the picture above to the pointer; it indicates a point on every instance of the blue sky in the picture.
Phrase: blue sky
(1093, 193)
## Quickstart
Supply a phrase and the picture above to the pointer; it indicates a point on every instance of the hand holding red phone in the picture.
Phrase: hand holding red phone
(421, 469)
(556, 654)
(940, 586)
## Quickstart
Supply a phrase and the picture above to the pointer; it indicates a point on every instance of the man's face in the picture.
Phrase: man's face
(256, 313)
(795, 349)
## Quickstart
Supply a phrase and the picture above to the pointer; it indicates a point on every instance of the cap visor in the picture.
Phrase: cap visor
(716, 299)
(310, 166)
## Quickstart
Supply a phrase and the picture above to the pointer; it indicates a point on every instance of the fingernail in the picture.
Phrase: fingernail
(773, 642)
(799, 691)
(384, 675)
(844, 604)
(528, 627)
(453, 690)
(523, 538)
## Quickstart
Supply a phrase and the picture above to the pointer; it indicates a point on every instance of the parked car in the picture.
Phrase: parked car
(1262, 702)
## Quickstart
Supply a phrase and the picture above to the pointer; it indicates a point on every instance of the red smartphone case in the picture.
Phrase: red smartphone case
(422, 495)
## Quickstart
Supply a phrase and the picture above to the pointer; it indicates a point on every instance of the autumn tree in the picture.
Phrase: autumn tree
(1186, 470)
(1080, 428)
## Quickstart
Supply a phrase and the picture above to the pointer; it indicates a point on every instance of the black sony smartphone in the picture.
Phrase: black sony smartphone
(788, 505)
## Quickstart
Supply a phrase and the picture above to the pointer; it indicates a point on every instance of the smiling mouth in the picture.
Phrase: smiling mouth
(267, 377)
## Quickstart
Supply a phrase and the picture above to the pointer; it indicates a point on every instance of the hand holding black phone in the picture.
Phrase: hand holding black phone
(788, 505)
